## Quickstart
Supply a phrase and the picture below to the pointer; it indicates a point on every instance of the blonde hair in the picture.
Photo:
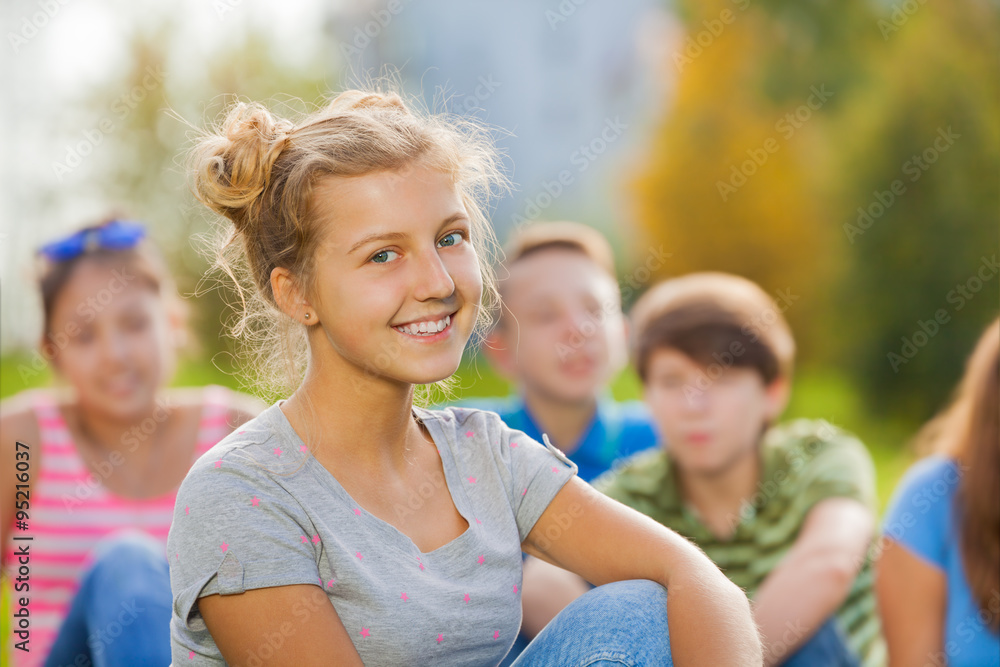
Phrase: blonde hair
(258, 170)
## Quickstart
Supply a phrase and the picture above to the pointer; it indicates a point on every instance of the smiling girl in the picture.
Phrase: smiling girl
(345, 525)
(91, 467)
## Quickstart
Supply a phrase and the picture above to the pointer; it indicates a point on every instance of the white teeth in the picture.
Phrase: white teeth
(426, 328)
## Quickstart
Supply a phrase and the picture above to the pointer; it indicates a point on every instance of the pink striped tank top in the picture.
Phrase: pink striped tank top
(70, 510)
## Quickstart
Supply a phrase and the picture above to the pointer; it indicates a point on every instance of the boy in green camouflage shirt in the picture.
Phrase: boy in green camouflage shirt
(787, 511)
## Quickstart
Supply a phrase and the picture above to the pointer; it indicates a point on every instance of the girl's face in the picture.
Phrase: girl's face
(111, 339)
(397, 281)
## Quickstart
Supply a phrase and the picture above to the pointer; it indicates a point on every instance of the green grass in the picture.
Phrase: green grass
(816, 393)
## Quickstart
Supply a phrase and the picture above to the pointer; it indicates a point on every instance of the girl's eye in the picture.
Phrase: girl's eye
(382, 256)
(452, 239)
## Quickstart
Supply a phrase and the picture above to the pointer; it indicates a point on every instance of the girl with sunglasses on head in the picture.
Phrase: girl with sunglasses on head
(345, 525)
(102, 455)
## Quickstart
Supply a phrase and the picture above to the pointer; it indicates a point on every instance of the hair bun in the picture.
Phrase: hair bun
(232, 167)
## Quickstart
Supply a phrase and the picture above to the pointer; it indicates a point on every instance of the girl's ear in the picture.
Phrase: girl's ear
(289, 297)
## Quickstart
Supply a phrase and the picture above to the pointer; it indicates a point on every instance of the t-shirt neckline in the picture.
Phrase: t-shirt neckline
(459, 499)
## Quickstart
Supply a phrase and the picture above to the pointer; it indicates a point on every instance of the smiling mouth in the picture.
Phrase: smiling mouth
(427, 328)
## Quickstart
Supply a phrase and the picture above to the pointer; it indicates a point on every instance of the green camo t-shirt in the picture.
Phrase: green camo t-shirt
(803, 462)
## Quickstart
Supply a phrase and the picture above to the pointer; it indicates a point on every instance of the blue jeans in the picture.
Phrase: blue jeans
(121, 613)
(622, 623)
(827, 648)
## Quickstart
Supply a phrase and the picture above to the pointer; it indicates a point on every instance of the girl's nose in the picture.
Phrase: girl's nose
(434, 281)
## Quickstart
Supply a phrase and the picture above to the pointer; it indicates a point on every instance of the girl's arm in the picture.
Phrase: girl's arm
(281, 625)
(814, 577)
(912, 595)
(602, 540)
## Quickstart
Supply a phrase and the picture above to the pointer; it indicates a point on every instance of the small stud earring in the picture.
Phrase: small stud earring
(308, 316)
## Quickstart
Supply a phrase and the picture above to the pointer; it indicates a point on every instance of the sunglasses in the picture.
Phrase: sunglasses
(114, 235)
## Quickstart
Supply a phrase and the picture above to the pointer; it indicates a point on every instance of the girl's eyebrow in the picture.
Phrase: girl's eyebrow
(395, 236)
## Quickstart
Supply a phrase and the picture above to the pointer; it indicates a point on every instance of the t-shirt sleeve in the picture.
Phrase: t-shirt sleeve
(235, 528)
(532, 472)
(832, 464)
(919, 510)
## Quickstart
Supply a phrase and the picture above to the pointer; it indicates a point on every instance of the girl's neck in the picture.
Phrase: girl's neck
(365, 422)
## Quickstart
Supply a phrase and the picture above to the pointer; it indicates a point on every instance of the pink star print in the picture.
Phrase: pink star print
(513, 444)
(364, 632)
(358, 554)
(303, 448)
(478, 521)
(469, 434)
(555, 469)
(218, 464)
(315, 539)
(187, 510)
(404, 597)
(496, 635)
(481, 559)
(440, 638)
(191, 655)
(421, 566)
(525, 491)
(303, 538)
(256, 501)
(357, 511)
(240, 432)
(277, 451)
(224, 546)
(515, 588)
(472, 480)
(331, 582)
(466, 598)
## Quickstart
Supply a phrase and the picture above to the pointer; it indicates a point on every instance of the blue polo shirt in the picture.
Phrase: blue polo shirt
(617, 430)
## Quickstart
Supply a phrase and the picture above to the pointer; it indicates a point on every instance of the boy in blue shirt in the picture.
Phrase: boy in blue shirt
(560, 339)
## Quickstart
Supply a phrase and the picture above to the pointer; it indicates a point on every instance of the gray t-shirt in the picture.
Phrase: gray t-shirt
(258, 510)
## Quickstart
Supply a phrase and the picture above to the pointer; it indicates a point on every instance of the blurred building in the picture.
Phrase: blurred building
(575, 82)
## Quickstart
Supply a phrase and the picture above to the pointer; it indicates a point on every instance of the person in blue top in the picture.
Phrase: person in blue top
(560, 339)
(938, 580)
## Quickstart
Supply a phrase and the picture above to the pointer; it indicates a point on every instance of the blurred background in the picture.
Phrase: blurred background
(845, 155)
